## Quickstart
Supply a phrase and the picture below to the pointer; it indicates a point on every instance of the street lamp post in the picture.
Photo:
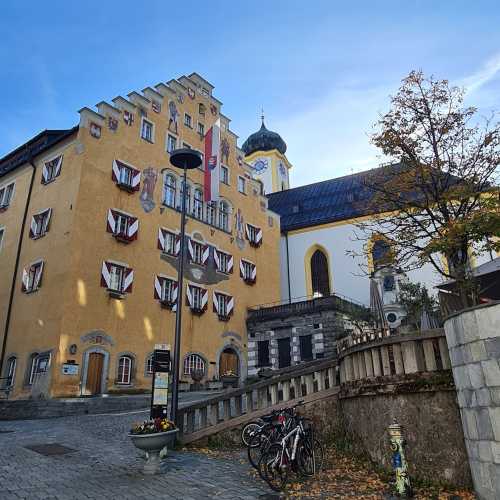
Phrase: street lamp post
(186, 159)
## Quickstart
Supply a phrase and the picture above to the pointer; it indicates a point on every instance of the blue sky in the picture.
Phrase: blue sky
(322, 70)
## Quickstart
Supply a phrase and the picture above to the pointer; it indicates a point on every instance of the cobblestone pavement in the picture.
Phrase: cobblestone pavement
(106, 464)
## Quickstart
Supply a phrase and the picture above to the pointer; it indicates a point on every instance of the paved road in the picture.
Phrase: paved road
(106, 465)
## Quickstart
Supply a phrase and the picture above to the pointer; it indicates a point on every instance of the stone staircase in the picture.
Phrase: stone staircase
(307, 382)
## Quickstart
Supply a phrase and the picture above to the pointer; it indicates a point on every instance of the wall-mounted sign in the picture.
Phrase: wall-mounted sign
(70, 369)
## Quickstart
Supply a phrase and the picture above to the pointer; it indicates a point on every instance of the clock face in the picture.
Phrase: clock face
(260, 165)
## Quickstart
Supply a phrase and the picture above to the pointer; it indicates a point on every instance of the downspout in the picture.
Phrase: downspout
(288, 270)
(18, 258)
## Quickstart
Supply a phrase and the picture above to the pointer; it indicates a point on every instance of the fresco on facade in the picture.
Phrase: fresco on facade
(239, 227)
(149, 178)
(172, 122)
(224, 150)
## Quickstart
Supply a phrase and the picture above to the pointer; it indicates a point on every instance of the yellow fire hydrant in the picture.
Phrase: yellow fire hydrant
(399, 463)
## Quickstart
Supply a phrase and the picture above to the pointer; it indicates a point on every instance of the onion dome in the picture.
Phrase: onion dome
(264, 140)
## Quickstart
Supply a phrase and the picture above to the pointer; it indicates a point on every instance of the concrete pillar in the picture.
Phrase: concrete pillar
(361, 365)
(430, 358)
(412, 356)
(386, 365)
(398, 359)
(355, 366)
(377, 370)
(445, 355)
(368, 363)
(349, 371)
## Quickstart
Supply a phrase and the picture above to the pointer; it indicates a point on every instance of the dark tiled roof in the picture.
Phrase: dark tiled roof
(328, 201)
(264, 140)
(41, 142)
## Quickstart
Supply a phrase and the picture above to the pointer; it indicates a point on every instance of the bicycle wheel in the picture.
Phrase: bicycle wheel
(273, 466)
(248, 432)
(310, 458)
(258, 443)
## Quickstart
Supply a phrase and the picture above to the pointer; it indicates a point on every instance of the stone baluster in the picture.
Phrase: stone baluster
(203, 417)
(238, 405)
(445, 354)
(331, 377)
(398, 359)
(273, 390)
(213, 415)
(386, 365)
(430, 358)
(377, 371)
(190, 421)
(321, 380)
(368, 363)
(309, 379)
(286, 390)
(227, 408)
(297, 387)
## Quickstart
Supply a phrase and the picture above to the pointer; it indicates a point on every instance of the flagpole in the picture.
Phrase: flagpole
(185, 159)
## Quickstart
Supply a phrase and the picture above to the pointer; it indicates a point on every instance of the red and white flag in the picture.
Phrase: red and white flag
(212, 162)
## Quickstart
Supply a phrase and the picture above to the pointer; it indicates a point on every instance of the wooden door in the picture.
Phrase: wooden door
(94, 373)
(228, 363)
(284, 355)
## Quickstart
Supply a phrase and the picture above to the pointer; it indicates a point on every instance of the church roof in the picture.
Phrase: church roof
(263, 140)
(323, 202)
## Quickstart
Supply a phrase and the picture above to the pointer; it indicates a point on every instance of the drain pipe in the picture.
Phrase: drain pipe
(16, 266)
(288, 270)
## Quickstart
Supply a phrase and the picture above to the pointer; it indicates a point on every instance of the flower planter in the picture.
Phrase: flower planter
(214, 385)
(153, 445)
(229, 380)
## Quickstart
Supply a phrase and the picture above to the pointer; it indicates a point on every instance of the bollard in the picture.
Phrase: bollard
(399, 464)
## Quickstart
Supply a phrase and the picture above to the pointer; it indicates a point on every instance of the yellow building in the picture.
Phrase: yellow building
(89, 240)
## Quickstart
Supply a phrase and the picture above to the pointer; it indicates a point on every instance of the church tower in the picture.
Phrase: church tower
(265, 151)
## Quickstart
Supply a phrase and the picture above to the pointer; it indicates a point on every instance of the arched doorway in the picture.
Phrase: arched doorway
(320, 276)
(229, 366)
(95, 369)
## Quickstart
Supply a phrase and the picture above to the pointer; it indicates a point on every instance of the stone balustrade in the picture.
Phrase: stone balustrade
(311, 382)
(385, 355)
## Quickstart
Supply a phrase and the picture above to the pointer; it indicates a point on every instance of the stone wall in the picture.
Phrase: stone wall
(473, 339)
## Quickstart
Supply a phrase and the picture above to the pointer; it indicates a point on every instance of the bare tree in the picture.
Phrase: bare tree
(439, 196)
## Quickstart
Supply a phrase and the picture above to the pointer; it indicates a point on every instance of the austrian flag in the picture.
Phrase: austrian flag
(212, 162)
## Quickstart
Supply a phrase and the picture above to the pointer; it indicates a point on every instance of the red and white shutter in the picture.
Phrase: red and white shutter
(133, 228)
(230, 306)
(45, 173)
(254, 273)
(190, 250)
(216, 259)
(38, 276)
(247, 230)
(242, 269)
(205, 255)
(157, 290)
(204, 299)
(215, 300)
(25, 280)
(189, 297)
(105, 275)
(136, 179)
(128, 280)
(161, 239)
(230, 264)
(46, 222)
(175, 286)
(33, 226)
(177, 244)
(258, 236)
(111, 222)
(115, 173)
(58, 166)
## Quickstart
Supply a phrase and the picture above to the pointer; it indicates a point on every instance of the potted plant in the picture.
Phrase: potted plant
(229, 379)
(153, 436)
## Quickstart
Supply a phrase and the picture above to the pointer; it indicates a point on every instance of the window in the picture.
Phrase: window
(193, 362)
(202, 108)
(254, 235)
(198, 204)
(167, 241)
(224, 216)
(196, 251)
(32, 277)
(167, 290)
(51, 169)
(124, 370)
(211, 212)
(122, 226)
(223, 261)
(197, 298)
(187, 120)
(125, 176)
(117, 278)
(224, 174)
(149, 365)
(2, 233)
(169, 190)
(201, 129)
(11, 371)
(32, 368)
(205, 92)
(306, 353)
(223, 305)
(241, 184)
(39, 363)
(40, 223)
(6, 195)
(263, 353)
(147, 129)
(248, 271)
(171, 143)
(188, 197)
(320, 275)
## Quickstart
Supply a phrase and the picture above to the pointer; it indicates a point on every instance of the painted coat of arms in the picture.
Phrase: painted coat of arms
(150, 177)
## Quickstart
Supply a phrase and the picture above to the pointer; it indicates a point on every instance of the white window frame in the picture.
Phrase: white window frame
(198, 204)
(197, 252)
(167, 289)
(223, 219)
(32, 273)
(11, 370)
(201, 129)
(188, 120)
(242, 182)
(224, 258)
(113, 276)
(167, 142)
(222, 302)
(196, 295)
(2, 236)
(170, 240)
(248, 268)
(188, 197)
(172, 189)
(193, 361)
(121, 376)
(211, 213)
(3, 194)
(144, 122)
(149, 365)
(224, 178)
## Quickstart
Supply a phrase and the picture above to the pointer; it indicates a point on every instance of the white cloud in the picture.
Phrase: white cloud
(485, 74)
